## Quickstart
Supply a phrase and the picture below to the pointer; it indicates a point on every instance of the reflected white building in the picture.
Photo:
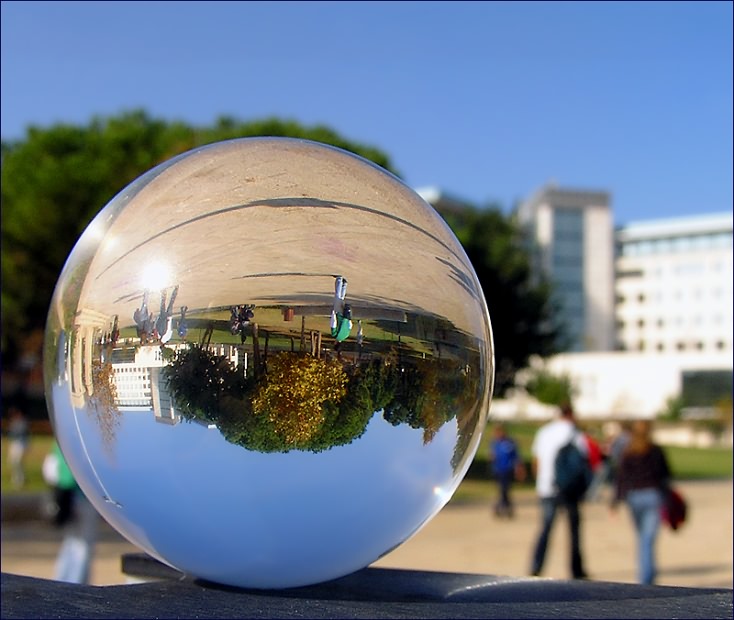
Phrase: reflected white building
(140, 384)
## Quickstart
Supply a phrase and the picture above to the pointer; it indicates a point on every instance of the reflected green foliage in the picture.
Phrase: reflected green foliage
(300, 402)
(202, 382)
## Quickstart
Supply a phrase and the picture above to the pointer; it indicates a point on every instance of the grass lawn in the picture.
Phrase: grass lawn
(686, 463)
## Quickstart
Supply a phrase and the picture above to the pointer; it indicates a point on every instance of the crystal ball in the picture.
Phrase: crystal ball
(268, 362)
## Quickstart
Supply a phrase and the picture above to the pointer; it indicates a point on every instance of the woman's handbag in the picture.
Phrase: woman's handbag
(674, 509)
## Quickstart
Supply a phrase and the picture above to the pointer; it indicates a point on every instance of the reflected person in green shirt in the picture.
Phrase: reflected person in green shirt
(341, 313)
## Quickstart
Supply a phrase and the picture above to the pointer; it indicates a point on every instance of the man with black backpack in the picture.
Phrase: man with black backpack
(562, 476)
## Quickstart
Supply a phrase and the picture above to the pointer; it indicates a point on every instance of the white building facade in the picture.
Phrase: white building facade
(648, 306)
(674, 321)
(673, 286)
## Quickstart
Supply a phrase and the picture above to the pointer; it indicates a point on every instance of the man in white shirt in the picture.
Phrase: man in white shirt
(550, 438)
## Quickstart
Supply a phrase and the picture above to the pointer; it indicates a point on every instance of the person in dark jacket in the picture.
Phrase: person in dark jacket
(643, 479)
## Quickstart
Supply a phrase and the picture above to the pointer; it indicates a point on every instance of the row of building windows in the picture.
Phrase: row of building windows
(678, 244)
(679, 295)
(679, 321)
(676, 270)
(643, 345)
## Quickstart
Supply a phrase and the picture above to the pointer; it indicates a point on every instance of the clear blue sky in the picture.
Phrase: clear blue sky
(486, 100)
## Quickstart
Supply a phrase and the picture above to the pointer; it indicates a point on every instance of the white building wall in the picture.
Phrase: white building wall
(619, 385)
(674, 286)
(599, 279)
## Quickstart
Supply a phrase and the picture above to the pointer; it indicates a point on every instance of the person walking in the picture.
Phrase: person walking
(341, 312)
(19, 438)
(164, 323)
(547, 444)
(599, 466)
(77, 518)
(642, 480)
(143, 318)
(617, 445)
(505, 462)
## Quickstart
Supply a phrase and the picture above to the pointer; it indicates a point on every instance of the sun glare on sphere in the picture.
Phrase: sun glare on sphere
(155, 276)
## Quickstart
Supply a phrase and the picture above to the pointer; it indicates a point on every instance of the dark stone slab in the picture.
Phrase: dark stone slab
(369, 593)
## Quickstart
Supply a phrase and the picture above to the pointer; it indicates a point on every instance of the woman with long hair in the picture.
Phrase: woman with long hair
(643, 479)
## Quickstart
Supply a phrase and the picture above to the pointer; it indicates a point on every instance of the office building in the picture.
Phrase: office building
(570, 235)
(674, 285)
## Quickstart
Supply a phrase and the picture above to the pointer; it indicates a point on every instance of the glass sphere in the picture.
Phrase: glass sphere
(268, 362)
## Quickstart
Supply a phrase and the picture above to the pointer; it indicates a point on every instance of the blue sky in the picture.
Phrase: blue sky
(486, 100)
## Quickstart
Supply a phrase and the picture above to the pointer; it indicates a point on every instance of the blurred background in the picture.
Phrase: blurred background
(580, 151)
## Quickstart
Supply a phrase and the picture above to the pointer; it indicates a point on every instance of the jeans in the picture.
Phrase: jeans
(644, 506)
(74, 560)
(503, 506)
(549, 507)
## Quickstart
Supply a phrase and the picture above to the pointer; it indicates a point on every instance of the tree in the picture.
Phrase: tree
(293, 394)
(522, 313)
(550, 389)
(57, 179)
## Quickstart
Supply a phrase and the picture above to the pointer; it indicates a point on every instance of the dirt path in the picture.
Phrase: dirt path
(468, 539)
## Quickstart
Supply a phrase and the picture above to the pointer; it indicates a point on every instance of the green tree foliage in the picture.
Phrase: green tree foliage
(201, 382)
(520, 307)
(310, 404)
(550, 389)
(57, 179)
(294, 392)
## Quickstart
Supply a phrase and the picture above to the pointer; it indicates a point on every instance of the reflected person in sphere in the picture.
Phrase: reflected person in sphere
(240, 317)
(341, 313)
(143, 318)
(183, 327)
(164, 324)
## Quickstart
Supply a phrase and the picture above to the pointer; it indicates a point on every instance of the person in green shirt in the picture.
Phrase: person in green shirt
(76, 515)
(341, 313)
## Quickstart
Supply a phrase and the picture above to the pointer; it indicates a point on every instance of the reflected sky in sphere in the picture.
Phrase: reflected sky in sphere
(268, 362)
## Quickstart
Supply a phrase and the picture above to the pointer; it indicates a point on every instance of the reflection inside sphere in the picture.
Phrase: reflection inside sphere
(268, 362)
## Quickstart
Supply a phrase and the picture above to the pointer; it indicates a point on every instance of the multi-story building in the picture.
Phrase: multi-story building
(674, 285)
(571, 239)
(649, 306)
(673, 308)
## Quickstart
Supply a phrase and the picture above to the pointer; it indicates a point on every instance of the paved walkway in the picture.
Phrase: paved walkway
(468, 539)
